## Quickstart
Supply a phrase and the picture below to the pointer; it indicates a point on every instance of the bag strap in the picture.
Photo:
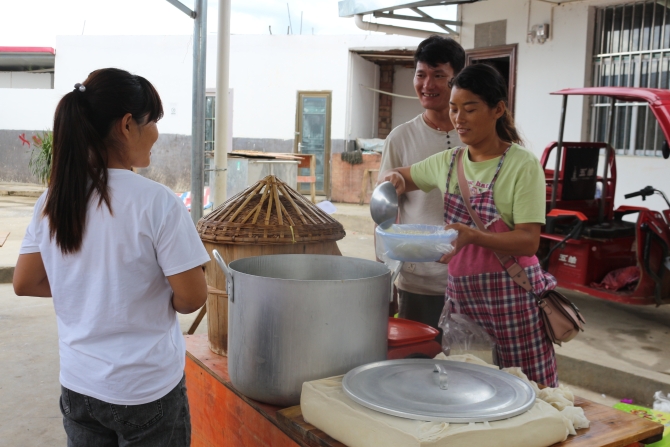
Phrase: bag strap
(508, 262)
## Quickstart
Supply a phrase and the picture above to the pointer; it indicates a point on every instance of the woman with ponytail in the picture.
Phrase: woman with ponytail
(120, 256)
(507, 191)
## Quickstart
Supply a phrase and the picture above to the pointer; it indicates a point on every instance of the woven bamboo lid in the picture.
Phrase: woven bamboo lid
(268, 213)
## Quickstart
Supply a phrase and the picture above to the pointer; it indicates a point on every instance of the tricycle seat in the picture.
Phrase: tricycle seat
(612, 229)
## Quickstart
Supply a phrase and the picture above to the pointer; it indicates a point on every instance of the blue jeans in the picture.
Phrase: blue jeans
(92, 422)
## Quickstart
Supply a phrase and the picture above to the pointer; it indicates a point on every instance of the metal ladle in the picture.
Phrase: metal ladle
(384, 211)
(384, 205)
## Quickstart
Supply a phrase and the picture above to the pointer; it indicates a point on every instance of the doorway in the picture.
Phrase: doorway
(312, 136)
(503, 59)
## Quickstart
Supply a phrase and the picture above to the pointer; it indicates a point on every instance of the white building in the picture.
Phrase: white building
(269, 71)
(267, 74)
(583, 44)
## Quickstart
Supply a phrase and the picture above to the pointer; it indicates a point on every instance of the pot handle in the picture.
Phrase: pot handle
(394, 275)
(228, 272)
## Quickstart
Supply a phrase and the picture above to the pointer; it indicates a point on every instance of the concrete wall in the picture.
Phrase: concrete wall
(563, 61)
(403, 84)
(171, 162)
(23, 112)
(13, 79)
(15, 155)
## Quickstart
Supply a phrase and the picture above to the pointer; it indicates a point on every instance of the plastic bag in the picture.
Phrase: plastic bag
(382, 255)
(415, 242)
(461, 335)
(662, 402)
(370, 144)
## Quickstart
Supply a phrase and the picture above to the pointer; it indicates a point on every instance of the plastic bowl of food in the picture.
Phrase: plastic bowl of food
(416, 242)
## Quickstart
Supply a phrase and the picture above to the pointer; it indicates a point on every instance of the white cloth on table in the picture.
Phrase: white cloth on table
(324, 405)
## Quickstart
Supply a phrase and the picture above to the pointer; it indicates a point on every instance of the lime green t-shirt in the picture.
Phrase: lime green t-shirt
(519, 192)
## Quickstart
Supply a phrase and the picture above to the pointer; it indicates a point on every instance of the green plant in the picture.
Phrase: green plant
(40, 157)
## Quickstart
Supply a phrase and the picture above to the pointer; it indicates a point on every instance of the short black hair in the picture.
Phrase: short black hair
(440, 50)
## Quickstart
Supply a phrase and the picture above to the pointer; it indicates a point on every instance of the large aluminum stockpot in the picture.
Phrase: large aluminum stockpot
(296, 318)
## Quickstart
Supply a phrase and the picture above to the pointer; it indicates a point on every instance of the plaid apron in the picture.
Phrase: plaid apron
(487, 294)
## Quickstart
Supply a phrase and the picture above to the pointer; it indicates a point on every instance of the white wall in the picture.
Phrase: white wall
(166, 61)
(267, 71)
(363, 104)
(403, 84)
(27, 109)
(562, 62)
(13, 79)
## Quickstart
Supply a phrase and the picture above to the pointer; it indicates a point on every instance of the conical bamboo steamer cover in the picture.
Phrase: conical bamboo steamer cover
(269, 212)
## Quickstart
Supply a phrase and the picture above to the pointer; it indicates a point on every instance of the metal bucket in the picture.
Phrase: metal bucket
(296, 318)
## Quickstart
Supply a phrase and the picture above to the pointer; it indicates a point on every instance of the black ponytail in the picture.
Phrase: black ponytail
(487, 83)
(506, 129)
(81, 143)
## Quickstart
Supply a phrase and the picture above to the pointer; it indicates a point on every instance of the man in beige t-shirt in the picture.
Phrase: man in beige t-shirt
(421, 286)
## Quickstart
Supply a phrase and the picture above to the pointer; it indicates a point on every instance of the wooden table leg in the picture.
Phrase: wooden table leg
(197, 320)
(3, 237)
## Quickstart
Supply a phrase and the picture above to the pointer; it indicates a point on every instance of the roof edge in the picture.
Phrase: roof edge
(48, 50)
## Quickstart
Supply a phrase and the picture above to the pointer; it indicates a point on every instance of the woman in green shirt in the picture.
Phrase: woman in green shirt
(507, 192)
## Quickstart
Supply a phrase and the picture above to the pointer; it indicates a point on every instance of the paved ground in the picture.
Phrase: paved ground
(624, 353)
(29, 388)
(15, 213)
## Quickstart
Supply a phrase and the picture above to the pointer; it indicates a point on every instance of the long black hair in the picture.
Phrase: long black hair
(82, 141)
(487, 83)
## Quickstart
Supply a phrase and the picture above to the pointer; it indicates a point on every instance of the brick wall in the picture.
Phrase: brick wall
(346, 179)
(385, 101)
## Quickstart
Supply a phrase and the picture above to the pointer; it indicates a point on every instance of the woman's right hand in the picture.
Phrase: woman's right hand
(399, 178)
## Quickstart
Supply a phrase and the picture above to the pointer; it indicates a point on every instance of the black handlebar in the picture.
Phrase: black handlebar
(633, 194)
(644, 192)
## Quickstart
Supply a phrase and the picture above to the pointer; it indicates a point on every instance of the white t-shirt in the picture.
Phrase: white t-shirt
(410, 143)
(119, 338)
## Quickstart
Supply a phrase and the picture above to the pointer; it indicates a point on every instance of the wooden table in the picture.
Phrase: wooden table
(221, 416)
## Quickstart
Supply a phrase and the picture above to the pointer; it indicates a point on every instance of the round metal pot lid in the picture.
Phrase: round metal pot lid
(438, 390)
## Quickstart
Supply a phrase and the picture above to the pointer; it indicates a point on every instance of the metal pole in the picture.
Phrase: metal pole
(608, 152)
(198, 123)
(559, 149)
(222, 130)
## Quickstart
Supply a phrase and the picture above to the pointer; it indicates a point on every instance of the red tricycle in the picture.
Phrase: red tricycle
(586, 244)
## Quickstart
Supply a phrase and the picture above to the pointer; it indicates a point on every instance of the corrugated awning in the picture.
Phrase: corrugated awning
(27, 59)
(349, 8)
(387, 9)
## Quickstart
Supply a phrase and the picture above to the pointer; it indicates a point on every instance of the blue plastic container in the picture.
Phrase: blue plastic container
(416, 242)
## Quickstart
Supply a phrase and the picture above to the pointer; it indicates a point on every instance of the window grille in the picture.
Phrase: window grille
(631, 49)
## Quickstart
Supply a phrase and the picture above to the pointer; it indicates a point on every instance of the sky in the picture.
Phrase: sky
(38, 22)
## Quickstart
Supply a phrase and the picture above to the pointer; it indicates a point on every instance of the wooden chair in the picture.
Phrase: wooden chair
(368, 179)
(308, 161)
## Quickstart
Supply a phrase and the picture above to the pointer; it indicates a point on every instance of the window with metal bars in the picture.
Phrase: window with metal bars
(631, 49)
